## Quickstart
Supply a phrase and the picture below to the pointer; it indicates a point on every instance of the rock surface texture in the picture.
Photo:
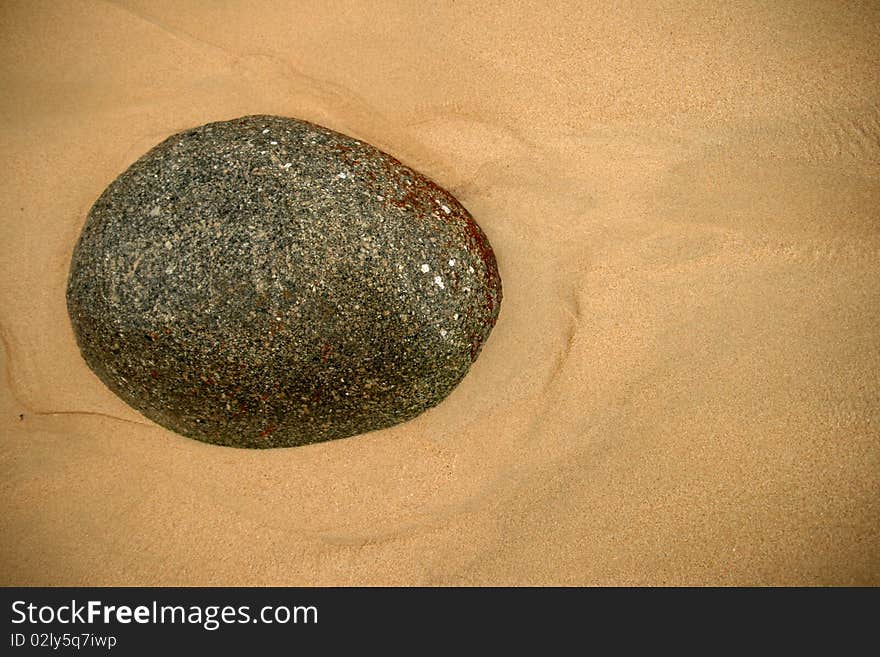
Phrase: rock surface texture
(266, 282)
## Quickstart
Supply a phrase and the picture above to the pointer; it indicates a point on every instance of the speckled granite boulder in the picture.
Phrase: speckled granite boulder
(266, 282)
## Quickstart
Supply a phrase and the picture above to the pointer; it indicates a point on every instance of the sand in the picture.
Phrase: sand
(684, 383)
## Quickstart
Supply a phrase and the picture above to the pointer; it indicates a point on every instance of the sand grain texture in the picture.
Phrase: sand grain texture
(683, 386)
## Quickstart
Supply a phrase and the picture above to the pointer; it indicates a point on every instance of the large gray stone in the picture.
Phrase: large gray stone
(266, 282)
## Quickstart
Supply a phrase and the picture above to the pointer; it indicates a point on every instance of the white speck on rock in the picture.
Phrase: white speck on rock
(273, 143)
(266, 131)
(455, 316)
(452, 262)
(380, 197)
(426, 268)
(439, 282)
(168, 244)
(445, 209)
(443, 333)
(342, 175)
(470, 270)
(287, 165)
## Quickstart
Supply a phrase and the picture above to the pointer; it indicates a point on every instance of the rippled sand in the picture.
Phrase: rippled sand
(684, 383)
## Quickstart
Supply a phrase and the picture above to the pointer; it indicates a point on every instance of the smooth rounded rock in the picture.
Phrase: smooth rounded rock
(266, 282)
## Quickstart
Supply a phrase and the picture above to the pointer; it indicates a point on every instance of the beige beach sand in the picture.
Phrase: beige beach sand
(684, 383)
